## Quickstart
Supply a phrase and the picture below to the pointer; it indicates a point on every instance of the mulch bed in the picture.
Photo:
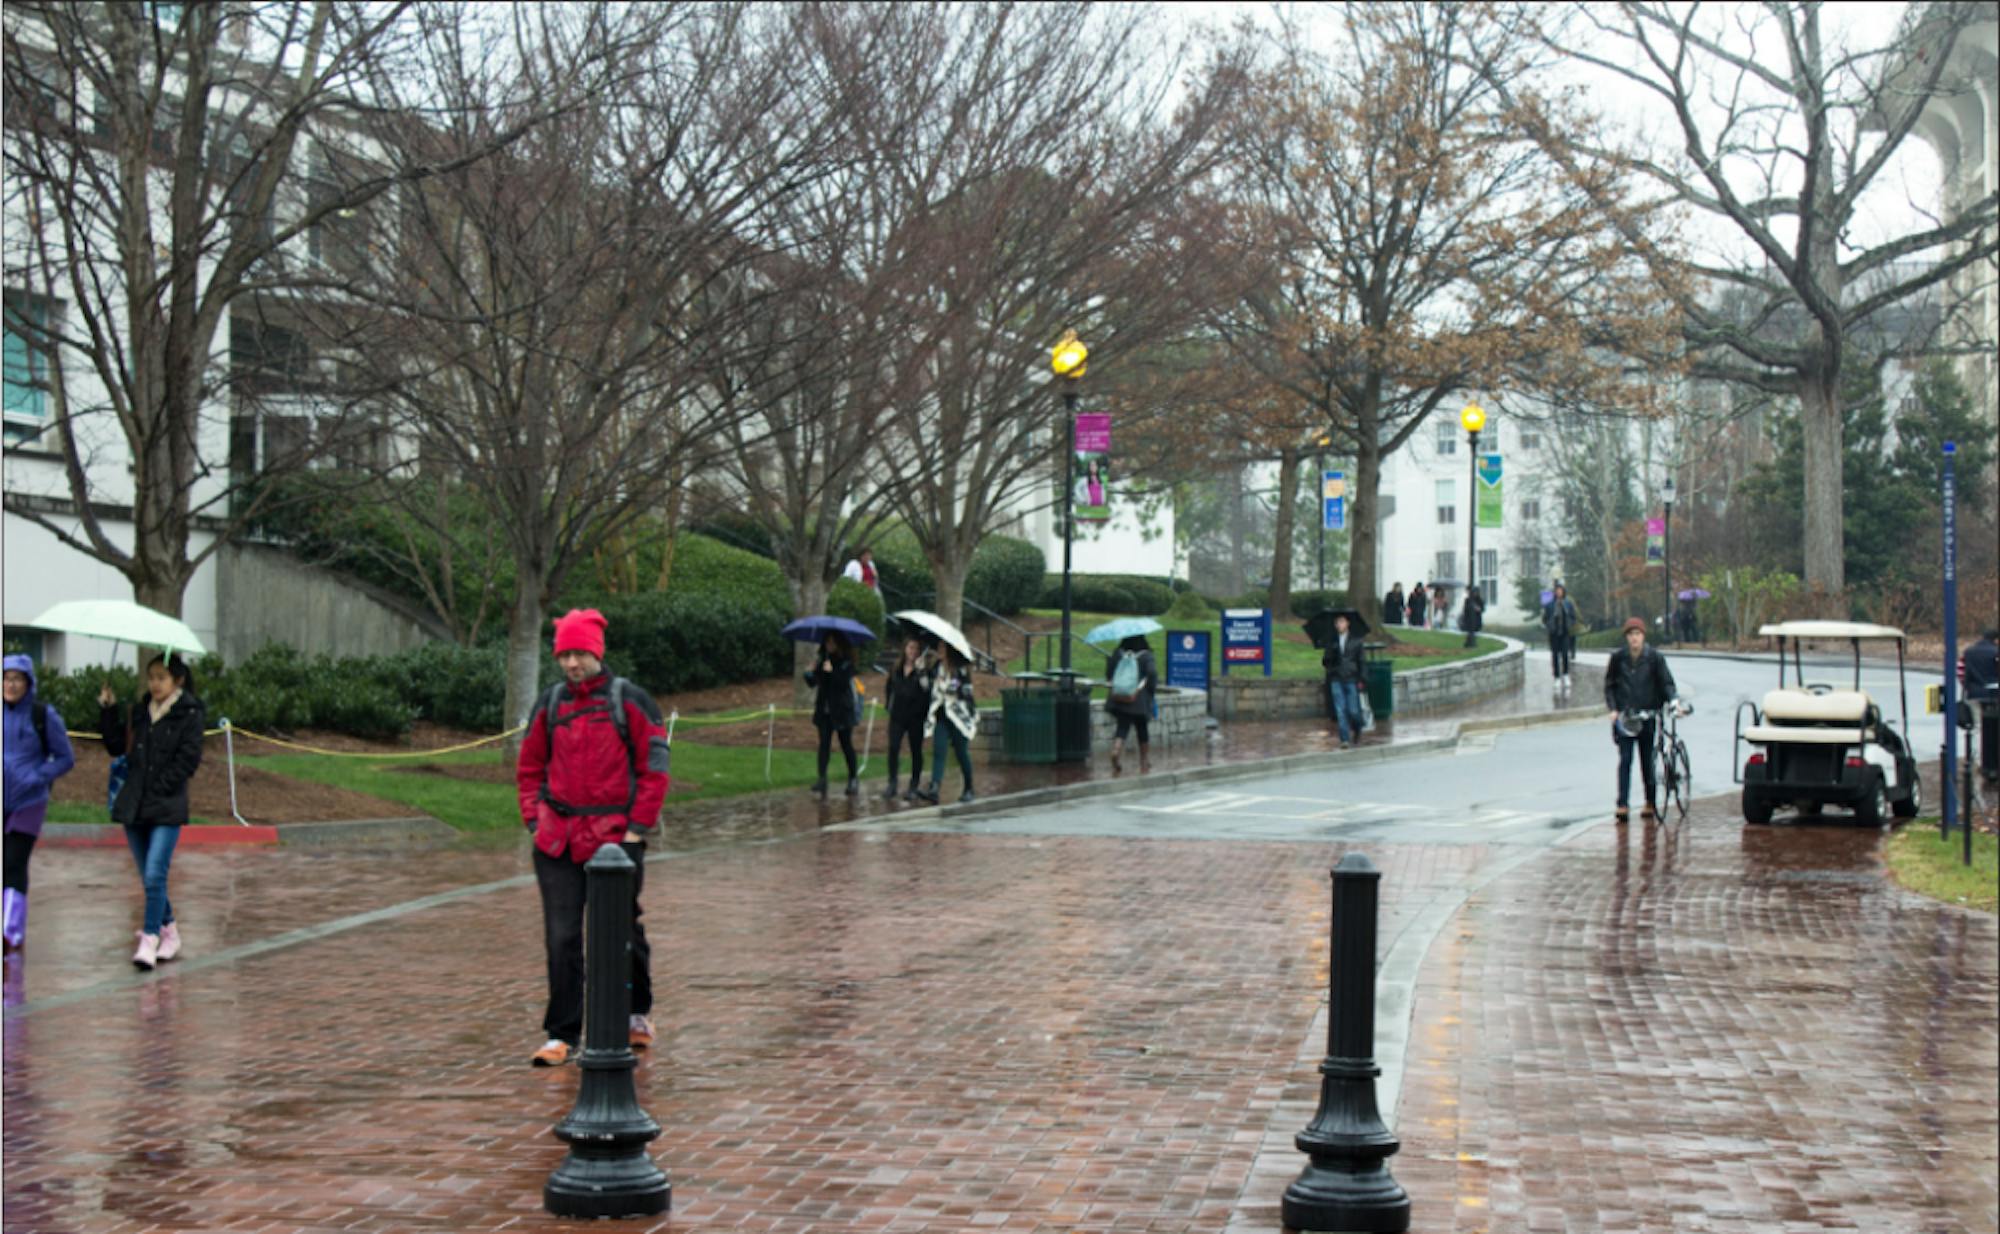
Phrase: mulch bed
(262, 796)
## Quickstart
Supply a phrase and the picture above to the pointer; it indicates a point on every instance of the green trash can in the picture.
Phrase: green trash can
(1381, 682)
(1072, 724)
(1028, 724)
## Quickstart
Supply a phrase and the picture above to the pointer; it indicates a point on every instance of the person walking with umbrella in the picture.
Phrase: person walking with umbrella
(953, 716)
(834, 706)
(162, 743)
(1132, 678)
(37, 754)
(909, 694)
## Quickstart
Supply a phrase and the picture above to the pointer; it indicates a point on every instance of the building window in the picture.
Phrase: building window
(1447, 437)
(1531, 509)
(1531, 562)
(1489, 438)
(1531, 439)
(1447, 566)
(1489, 574)
(25, 366)
(1447, 502)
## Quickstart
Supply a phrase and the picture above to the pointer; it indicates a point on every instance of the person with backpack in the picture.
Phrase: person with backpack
(1559, 619)
(1133, 678)
(162, 748)
(1346, 665)
(953, 716)
(836, 707)
(909, 692)
(38, 753)
(592, 771)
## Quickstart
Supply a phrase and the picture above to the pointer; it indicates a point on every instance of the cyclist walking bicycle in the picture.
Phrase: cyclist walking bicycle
(1637, 680)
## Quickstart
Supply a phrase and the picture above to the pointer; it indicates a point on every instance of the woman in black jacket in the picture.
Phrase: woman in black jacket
(162, 745)
(834, 708)
(909, 694)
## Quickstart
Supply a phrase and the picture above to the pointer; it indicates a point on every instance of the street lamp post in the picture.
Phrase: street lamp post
(1068, 359)
(1319, 486)
(1667, 553)
(1474, 419)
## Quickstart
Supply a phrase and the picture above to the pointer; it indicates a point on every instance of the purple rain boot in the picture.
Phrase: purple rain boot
(14, 910)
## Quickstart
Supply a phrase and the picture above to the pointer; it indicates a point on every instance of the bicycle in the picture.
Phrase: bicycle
(1670, 753)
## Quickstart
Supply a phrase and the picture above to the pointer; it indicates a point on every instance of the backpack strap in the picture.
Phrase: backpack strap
(41, 719)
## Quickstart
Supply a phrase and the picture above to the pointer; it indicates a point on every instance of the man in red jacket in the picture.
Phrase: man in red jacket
(589, 777)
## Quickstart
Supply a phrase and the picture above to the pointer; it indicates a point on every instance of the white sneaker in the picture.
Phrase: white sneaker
(147, 957)
(170, 941)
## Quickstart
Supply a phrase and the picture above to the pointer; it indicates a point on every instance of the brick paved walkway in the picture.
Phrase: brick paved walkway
(868, 1031)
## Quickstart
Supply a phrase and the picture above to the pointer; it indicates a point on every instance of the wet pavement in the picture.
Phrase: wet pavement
(1692, 1027)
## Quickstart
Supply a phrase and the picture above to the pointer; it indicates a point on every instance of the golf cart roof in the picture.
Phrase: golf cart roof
(1828, 629)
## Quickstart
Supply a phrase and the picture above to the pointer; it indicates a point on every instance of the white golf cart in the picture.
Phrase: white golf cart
(1814, 744)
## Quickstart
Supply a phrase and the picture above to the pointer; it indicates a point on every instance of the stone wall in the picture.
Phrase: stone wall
(266, 595)
(1423, 689)
(1183, 717)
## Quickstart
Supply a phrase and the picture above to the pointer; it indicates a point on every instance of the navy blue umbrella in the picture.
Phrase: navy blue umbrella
(813, 629)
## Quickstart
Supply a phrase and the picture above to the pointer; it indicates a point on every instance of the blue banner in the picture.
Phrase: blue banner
(1333, 500)
(1187, 659)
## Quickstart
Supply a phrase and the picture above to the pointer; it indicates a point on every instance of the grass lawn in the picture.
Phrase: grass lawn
(1934, 867)
(482, 805)
(1292, 656)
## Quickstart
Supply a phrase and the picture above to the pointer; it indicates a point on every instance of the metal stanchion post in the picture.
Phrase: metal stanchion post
(1346, 1185)
(607, 1172)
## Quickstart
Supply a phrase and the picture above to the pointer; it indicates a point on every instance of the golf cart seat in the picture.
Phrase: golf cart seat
(1831, 717)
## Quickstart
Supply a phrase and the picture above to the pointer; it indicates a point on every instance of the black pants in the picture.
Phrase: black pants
(912, 732)
(1989, 742)
(1127, 723)
(1562, 650)
(826, 748)
(563, 892)
(1643, 744)
(19, 845)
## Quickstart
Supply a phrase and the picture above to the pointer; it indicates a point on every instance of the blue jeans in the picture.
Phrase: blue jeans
(1346, 708)
(152, 848)
(1642, 745)
(960, 745)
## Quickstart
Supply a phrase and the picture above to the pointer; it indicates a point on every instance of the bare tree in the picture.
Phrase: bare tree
(1779, 133)
(1402, 244)
(563, 309)
(157, 205)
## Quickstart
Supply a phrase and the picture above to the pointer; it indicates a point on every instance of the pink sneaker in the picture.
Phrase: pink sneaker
(170, 941)
(147, 957)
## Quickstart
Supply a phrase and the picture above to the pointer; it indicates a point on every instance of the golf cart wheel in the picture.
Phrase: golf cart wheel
(1874, 804)
(1908, 805)
(1756, 810)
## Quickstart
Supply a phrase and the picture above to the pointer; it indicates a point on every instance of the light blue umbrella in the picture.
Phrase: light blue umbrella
(1123, 628)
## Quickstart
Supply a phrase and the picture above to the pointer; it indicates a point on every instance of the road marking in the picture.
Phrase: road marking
(1279, 808)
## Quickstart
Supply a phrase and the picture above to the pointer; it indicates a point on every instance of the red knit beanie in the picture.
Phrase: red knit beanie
(581, 629)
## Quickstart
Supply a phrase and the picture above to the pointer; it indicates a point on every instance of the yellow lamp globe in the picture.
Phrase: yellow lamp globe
(1473, 417)
(1068, 356)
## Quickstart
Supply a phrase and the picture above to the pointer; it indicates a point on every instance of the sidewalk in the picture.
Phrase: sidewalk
(1699, 1028)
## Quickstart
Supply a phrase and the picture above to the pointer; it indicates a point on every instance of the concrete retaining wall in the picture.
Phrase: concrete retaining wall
(1423, 689)
(1183, 717)
(265, 595)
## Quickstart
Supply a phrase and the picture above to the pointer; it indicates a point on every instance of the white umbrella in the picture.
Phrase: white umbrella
(940, 627)
(120, 621)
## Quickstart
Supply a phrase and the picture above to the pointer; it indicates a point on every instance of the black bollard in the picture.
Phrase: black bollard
(607, 1172)
(1346, 1185)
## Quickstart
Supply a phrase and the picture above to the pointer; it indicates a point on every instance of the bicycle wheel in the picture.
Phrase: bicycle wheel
(1680, 775)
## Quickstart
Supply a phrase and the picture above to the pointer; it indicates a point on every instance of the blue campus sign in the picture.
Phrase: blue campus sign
(1187, 659)
(1246, 638)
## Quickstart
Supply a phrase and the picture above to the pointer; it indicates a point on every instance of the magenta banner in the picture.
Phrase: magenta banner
(1091, 497)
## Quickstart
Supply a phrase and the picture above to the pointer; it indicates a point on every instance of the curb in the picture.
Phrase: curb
(356, 832)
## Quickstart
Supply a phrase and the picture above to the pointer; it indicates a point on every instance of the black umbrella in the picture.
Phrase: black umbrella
(1319, 626)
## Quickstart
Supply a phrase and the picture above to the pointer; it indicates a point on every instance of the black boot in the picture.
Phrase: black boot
(853, 786)
(889, 793)
(819, 788)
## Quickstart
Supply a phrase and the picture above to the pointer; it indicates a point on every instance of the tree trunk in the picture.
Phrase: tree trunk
(1239, 531)
(1364, 529)
(524, 653)
(948, 573)
(1281, 537)
(1819, 419)
(808, 597)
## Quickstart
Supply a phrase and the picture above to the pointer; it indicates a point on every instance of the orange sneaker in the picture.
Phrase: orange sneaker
(641, 1032)
(553, 1053)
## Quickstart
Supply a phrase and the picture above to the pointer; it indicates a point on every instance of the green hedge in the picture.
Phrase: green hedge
(1306, 603)
(1109, 593)
(1004, 575)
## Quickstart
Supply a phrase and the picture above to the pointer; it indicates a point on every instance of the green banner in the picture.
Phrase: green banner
(1487, 500)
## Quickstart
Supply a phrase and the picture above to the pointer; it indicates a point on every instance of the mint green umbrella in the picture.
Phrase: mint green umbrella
(1123, 628)
(120, 621)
